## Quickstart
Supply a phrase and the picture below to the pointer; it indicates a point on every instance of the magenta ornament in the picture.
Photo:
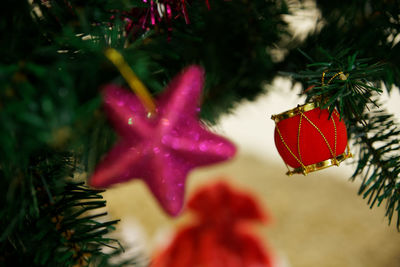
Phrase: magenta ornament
(163, 148)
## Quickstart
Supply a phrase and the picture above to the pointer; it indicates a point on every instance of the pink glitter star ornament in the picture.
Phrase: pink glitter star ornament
(162, 149)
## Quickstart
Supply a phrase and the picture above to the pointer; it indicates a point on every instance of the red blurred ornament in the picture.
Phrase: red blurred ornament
(220, 237)
(309, 139)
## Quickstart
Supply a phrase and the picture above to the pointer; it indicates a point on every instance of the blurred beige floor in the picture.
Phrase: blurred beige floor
(318, 220)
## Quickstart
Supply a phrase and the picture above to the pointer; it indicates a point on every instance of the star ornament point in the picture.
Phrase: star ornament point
(163, 148)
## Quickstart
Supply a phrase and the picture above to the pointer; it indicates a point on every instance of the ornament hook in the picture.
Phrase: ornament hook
(133, 81)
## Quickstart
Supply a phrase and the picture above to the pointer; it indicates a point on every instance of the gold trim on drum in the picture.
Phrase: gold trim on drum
(321, 165)
(294, 112)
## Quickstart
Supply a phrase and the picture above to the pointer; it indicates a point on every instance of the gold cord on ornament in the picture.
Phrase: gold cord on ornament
(322, 135)
(287, 147)
(341, 75)
(298, 136)
(133, 81)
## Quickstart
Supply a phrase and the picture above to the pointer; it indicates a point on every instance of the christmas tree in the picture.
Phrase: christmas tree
(67, 67)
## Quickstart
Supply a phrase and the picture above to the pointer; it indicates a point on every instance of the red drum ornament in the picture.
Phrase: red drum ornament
(308, 140)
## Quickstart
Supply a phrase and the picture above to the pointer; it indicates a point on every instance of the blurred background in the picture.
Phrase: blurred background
(317, 220)
(54, 128)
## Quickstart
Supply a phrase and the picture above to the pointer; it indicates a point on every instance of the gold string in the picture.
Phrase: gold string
(287, 147)
(298, 136)
(341, 75)
(133, 81)
(323, 136)
(334, 150)
(323, 77)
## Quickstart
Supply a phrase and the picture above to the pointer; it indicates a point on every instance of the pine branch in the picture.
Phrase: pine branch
(378, 165)
(367, 26)
(351, 86)
(56, 225)
(343, 82)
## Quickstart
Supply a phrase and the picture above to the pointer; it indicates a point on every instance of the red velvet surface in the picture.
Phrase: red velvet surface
(313, 148)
